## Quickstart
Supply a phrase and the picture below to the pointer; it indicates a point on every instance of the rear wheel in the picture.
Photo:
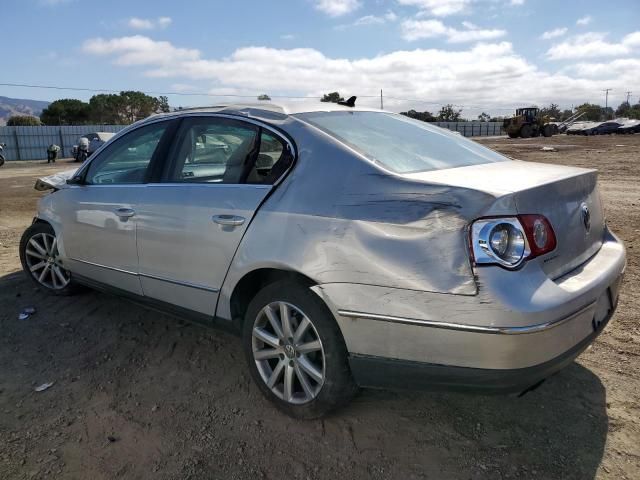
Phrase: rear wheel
(512, 134)
(295, 351)
(526, 131)
(41, 260)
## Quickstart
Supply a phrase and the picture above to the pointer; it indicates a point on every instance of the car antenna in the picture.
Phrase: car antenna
(351, 102)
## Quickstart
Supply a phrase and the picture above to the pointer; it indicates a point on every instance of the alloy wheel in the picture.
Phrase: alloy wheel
(42, 258)
(288, 353)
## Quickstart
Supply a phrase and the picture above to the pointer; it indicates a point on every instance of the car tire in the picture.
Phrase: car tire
(40, 261)
(303, 384)
(526, 131)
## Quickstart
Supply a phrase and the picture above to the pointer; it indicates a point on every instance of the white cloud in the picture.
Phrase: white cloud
(592, 45)
(438, 8)
(516, 2)
(489, 75)
(418, 29)
(182, 87)
(140, 50)
(555, 33)
(148, 23)
(337, 8)
(371, 20)
(586, 20)
(288, 36)
(622, 67)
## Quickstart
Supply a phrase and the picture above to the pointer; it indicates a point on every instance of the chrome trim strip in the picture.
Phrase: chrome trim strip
(104, 266)
(247, 186)
(153, 277)
(540, 327)
(181, 283)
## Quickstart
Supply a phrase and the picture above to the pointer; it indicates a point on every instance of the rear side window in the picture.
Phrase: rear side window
(401, 144)
(213, 150)
(270, 157)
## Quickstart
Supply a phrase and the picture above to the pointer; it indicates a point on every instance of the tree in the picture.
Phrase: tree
(623, 109)
(137, 105)
(23, 121)
(591, 111)
(422, 116)
(67, 111)
(333, 97)
(449, 114)
(163, 105)
(566, 114)
(552, 111)
(484, 117)
(634, 112)
(264, 97)
(105, 108)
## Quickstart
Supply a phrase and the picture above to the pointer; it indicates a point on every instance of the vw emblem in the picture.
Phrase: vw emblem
(586, 217)
(290, 350)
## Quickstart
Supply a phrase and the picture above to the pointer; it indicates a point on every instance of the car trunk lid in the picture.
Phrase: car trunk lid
(567, 196)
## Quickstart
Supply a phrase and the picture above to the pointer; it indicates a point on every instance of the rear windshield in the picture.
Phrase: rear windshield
(399, 143)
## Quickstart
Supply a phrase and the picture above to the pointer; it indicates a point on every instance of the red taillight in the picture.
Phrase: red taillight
(540, 234)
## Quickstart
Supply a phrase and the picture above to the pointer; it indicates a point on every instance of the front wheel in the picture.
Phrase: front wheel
(41, 260)
(295, 351)
(1, 160)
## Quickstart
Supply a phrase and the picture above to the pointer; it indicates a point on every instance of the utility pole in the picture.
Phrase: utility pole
(606, 102)
(606, 97)
(381, 102)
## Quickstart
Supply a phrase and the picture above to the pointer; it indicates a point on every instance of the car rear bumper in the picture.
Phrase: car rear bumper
(379, 372)
(504, 338)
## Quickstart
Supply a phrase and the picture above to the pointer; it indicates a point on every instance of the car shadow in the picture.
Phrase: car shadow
(165, 381)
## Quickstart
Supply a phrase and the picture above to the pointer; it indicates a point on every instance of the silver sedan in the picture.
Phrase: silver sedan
(346, 246)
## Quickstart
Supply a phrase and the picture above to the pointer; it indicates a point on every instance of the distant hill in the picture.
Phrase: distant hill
(19, 106)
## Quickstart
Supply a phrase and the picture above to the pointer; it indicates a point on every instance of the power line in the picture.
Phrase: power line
(232, 95)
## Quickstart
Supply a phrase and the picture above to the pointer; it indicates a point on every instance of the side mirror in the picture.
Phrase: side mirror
(75, 181)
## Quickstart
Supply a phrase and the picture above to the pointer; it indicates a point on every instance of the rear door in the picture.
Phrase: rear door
(191, 221)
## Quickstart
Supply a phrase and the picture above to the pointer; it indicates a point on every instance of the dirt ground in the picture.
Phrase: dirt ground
(141, 395)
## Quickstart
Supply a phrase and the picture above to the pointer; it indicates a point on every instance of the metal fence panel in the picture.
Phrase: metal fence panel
(30, 143)
(474, 129)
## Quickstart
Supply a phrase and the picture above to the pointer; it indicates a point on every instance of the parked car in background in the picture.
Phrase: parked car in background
(346, 246)
(579, 128)
(95, 141)
(629, 126)
(603, 128)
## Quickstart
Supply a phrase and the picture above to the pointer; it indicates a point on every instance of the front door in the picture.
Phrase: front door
(190, 223)
(98, 217)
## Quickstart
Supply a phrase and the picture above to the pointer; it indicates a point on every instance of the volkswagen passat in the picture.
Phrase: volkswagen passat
(348, 247)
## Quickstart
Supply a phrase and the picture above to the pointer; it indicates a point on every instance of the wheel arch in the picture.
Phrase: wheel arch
(252, 282)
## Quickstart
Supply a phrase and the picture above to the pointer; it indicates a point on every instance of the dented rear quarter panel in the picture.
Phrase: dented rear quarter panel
(339, 218)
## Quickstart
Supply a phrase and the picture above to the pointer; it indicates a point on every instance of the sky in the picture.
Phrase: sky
(481, 55)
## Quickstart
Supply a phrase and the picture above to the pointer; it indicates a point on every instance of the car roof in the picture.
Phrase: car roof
(268, 109)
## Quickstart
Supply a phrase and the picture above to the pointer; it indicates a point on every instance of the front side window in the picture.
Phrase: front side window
(127, 159)
(401, 144)
(213, 150)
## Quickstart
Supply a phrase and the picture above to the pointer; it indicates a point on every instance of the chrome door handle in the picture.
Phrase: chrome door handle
(228, 220)
(125, 212)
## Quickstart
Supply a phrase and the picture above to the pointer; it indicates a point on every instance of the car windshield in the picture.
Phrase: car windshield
(401, 144)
